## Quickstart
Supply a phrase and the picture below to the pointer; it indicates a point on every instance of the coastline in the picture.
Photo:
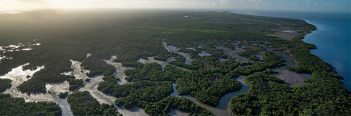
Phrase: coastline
(307, 38)
(325, 37)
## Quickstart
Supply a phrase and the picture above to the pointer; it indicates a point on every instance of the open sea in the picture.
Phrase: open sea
(332, 37)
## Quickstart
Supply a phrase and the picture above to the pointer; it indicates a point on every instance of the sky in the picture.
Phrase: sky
(281, 5)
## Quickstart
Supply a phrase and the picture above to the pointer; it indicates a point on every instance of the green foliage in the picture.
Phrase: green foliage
(83, 104)
(18, 107)
(145, 95)
(270, 60)
(209, 80)
(307, 62)
(322, 95)
(97, 66)
(161, 108)
(250, 54)
(132, 35)
(63, 95)
(152, 72)
(4, 84)
(75, 84)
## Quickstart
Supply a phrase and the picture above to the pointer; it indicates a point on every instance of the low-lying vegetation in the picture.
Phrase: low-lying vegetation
(83, 104)
(251, 50)
(18, 107)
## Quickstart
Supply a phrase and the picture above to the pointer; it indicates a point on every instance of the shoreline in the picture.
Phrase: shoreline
(305, 37)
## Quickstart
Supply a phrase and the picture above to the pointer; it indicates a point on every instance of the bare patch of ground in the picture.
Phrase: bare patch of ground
(292, 78)
(55, 90)
(174, 49)
(18, 76)
(285, 33)
(78, 71)
(2, 57)
(89, 54)
(119, 70)
(92, 88)
(162, 63)
(204, 53)
(19, 47)
(58, 88)
(16, 48)
(135, 111)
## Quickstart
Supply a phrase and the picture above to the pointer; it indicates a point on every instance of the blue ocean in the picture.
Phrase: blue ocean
(332, 37)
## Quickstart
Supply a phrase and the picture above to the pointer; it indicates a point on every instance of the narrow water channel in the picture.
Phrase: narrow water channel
(222, 109)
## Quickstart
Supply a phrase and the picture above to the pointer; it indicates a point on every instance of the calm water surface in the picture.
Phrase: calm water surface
(332, 38)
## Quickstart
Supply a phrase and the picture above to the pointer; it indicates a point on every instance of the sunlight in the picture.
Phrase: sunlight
(13, 6)
(25, 5)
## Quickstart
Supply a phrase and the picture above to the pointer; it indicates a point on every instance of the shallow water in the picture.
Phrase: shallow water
(175, 91)
(213, 110)
(226, 99)
(176, 112)
(119, 70)
(222, 109)
(92, 88)
(175, 49)
(65, 107)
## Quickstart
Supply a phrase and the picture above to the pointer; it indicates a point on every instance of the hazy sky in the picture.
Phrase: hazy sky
(297, 5)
